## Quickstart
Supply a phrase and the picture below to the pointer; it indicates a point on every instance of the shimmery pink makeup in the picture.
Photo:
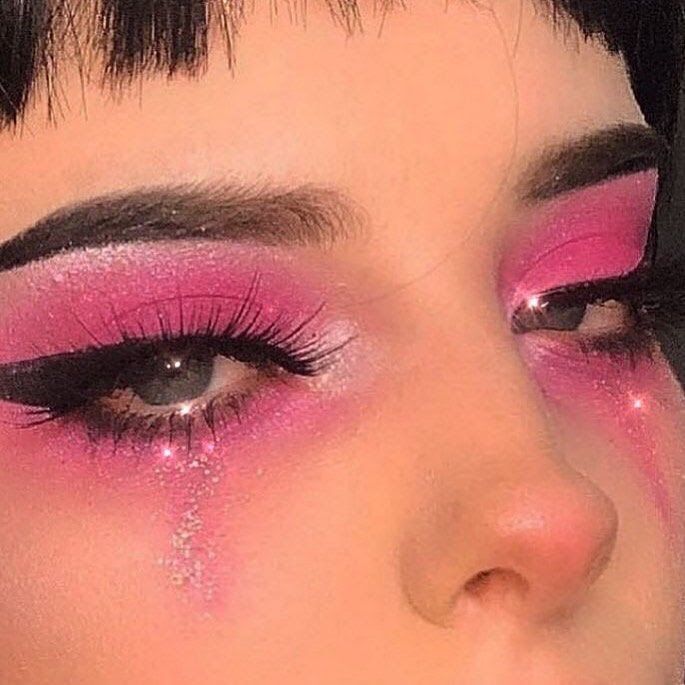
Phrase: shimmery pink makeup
(635, 407)
(599, 232)
(590, 234)
(86, 297)
(92, 297)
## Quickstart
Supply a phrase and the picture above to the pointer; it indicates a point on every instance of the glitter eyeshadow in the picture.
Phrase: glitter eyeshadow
(585, 235)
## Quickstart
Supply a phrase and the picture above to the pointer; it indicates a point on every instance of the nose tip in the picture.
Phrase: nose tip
(541, 548)
(531, 549)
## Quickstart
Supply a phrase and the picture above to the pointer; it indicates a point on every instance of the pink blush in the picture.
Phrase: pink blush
(192, 493)
(600, 232)
(635, 408)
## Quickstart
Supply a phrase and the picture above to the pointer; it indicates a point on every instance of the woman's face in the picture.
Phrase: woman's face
(312, 418)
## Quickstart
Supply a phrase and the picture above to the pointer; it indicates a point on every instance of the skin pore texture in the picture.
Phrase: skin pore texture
(446, 501)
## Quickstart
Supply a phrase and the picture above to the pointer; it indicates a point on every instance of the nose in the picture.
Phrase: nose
(531, 547)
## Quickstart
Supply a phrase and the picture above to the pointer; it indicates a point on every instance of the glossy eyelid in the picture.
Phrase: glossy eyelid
(592, 234)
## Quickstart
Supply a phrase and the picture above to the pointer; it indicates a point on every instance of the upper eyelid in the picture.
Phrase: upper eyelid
(653, 288)
(598, 232)
(602, 288)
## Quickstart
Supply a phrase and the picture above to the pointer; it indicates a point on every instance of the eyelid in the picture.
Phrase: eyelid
(82, 299)
(596, 233)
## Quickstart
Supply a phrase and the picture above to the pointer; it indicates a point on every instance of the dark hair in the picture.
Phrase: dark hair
(650, 35)
(136, 37)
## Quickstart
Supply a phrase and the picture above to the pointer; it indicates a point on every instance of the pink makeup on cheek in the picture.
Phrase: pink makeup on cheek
(637, 408)
(97, 298)
(588, 235)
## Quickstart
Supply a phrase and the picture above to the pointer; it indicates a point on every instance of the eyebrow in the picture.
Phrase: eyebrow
(598, 156)
(305, 215)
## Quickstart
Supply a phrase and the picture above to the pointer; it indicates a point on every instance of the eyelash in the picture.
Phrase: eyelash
(655, 297)
(279, 351)
(282, 352)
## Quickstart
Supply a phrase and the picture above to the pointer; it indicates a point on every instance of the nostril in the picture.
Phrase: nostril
(496, 586)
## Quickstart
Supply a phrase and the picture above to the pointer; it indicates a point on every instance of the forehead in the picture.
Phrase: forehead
(40, 39)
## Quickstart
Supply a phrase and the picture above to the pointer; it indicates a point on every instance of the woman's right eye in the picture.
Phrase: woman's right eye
(213, 361)
(170, 378)
(147, 383)
(183, 382)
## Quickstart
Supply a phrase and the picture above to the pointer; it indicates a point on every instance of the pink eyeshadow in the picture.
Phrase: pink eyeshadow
(586, 235)
(590, 234)
(83, 298)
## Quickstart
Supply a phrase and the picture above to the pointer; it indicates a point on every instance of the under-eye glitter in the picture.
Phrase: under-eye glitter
(190, 479)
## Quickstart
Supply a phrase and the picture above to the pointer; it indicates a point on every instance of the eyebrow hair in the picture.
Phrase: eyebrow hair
(306, 215)
(302, 215)
(598, 156)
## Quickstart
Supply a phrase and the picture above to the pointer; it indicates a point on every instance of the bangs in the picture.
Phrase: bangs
(136, 37)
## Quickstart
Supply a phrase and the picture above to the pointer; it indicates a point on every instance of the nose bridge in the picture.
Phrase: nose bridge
(511, 524)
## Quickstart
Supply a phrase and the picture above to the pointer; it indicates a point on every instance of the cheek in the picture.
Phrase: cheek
(183, 519)
(637, 407)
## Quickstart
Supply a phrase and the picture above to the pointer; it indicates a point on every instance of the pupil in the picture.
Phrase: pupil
(170, 377)
(553, 316)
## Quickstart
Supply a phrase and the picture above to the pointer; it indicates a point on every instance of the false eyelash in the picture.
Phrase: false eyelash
(279, 349)
(279, 344)
(656, 295)
(659, 295)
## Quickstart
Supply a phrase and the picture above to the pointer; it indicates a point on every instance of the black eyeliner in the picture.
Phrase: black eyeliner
(654, 294)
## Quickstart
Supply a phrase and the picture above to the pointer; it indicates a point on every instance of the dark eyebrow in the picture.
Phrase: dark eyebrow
(301, 215)
(600, 155)
(305, 215)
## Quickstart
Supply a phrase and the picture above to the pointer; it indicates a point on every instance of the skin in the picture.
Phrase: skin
(352, 551)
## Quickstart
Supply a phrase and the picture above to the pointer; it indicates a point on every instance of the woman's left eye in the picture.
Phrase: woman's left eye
(556, 312)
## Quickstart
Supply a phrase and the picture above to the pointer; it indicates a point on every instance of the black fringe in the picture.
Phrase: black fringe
(24, 31)
(155, 36)
(650, 34)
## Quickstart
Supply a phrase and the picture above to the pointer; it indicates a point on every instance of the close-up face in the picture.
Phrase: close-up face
(335, 360)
